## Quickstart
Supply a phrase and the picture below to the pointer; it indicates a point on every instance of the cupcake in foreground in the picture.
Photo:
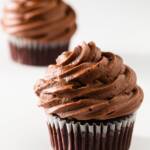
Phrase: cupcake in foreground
(38, 30)
(90, 98)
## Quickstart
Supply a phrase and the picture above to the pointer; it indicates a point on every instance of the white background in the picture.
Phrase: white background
(120, 26)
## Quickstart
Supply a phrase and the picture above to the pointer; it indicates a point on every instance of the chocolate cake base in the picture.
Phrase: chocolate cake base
(36, 56)
(114, 135)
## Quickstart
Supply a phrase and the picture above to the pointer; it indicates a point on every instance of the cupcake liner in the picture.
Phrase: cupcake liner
(107, 135)
(22, 42)
(35, 53)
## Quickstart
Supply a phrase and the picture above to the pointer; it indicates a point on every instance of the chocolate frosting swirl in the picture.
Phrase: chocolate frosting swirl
(87, 83)
(42, 20)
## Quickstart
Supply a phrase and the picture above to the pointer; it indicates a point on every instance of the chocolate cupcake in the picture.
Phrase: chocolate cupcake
(90, 98)
(38, 30)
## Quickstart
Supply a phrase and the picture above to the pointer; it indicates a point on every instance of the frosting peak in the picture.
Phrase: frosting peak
(87, 83)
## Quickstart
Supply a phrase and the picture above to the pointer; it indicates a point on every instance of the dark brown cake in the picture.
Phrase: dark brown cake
(39, 57)
(118, 134)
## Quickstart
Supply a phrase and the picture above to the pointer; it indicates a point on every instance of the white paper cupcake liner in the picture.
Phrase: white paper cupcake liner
(33, 44)
(71, 135)
(34, 53)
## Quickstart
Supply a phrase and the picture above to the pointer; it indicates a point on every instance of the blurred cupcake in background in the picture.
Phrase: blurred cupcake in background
(38, 30)
(90, 98)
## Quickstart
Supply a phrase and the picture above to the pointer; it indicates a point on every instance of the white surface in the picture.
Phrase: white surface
(117, 25)
(122, 25)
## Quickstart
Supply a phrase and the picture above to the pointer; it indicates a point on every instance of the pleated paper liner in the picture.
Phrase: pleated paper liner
(108, 135)
(34, 53)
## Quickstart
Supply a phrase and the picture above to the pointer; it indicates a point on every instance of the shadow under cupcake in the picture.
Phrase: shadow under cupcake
(90, 98)
(38, 31)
